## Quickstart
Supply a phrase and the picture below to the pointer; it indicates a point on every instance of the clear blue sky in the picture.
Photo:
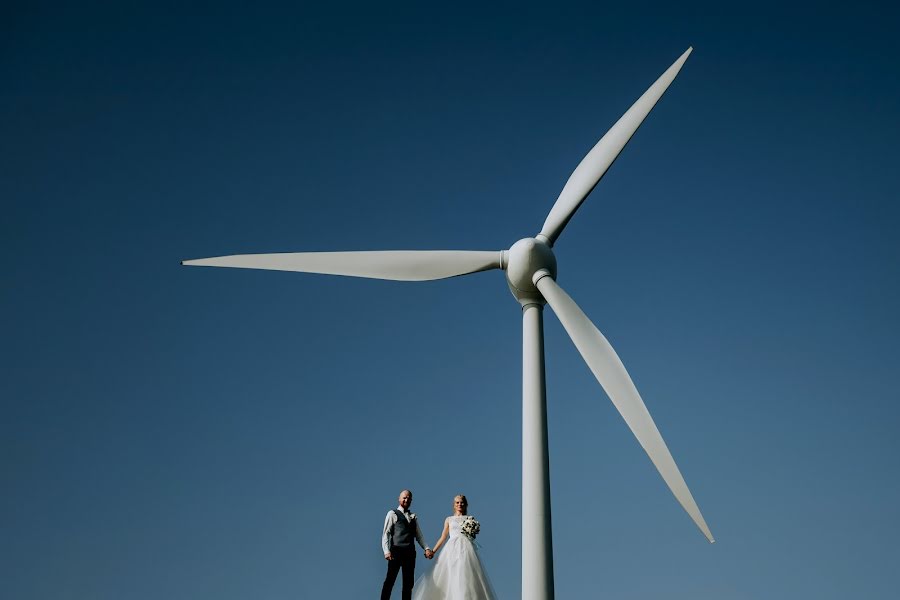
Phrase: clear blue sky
(179, 433)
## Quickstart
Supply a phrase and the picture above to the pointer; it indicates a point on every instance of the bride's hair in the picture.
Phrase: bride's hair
(465, 508)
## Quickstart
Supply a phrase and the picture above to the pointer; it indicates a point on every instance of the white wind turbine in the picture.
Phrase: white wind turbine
(531, 274)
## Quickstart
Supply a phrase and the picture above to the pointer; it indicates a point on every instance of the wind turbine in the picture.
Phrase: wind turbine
(531, 274)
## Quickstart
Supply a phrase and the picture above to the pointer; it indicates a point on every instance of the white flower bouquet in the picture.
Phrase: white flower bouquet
(470, 528)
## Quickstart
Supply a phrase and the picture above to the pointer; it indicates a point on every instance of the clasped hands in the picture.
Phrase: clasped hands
(429, 554)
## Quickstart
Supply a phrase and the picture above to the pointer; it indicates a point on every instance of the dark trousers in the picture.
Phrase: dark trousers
(403, 558)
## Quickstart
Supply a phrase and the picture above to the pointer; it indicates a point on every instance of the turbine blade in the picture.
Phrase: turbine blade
(593, 166)
(396, 265)
(610, 372)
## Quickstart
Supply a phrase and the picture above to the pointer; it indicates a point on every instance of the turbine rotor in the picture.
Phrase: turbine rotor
(525, 258)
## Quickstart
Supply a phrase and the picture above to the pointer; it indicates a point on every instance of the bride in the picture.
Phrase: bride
(457, 573)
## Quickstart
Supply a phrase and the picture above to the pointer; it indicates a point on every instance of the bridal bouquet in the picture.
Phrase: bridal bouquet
(470, 528)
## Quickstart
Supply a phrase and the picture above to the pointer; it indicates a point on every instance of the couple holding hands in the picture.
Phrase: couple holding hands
(457, 573)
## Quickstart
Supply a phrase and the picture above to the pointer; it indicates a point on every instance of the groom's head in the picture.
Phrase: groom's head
(405, 499)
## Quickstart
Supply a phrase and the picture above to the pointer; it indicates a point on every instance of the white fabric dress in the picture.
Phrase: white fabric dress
(457, 573)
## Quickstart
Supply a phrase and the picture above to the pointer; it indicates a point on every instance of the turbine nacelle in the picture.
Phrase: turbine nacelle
(525, 258)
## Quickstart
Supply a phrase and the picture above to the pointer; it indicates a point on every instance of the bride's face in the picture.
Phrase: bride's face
(459, 506)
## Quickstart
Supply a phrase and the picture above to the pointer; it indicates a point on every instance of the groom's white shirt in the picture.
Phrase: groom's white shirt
(390, 520)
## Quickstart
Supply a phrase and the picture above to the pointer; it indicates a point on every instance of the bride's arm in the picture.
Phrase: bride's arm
(444, 535)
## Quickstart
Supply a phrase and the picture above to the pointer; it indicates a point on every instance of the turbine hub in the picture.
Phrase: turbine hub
(522, 261)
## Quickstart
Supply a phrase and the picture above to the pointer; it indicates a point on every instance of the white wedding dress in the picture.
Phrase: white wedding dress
(457, 573)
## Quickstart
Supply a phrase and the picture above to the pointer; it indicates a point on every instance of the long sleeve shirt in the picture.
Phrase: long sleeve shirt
(388, 534)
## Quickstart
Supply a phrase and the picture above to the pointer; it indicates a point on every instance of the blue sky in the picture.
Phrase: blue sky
(169, 432)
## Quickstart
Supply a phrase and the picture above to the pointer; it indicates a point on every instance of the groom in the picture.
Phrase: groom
(401, 530)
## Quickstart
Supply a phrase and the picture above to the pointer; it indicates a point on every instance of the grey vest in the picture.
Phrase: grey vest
(404, 531)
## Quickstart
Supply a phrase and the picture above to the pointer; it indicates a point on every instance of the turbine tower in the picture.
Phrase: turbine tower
(530, 267)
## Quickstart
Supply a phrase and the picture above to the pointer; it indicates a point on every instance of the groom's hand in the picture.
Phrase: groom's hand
(388, 556)
(429, 554)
